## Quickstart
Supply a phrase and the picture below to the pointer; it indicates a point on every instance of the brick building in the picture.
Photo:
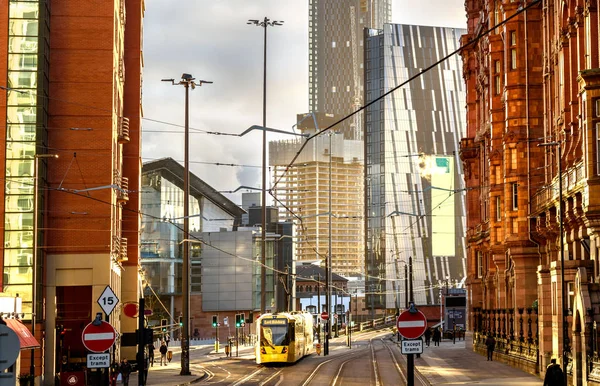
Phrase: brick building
(532, 77)
(72, 89)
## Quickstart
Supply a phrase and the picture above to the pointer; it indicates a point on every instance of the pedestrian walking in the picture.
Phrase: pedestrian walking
(151, 349)
(428, 336)
(554, 375)
(490, 343)
(437, 336)
(163, 353)
(125, 370)
(167, 339)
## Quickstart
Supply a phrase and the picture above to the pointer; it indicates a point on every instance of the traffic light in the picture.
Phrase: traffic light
(251, 317)
(163, 325)
(215, 322)
(242, 319)
(181, 321)
(238, 320)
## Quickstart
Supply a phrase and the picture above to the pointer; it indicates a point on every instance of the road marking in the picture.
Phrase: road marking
(269, 379)
(241, 381)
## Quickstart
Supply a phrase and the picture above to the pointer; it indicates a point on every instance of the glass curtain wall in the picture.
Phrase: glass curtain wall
(415, 203)
(26, 135)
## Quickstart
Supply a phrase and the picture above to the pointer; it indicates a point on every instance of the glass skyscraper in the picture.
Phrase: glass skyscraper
(335, 44)
(414, 201)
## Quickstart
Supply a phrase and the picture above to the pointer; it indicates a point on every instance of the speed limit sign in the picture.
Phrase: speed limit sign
(108, 300)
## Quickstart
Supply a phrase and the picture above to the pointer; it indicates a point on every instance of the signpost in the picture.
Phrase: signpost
(108, 300)
(98, 338)
(411, 324)
(9, 341)
(413, 346)
(98, 361)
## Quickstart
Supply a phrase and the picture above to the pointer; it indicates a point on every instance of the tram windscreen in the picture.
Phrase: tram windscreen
(274, 333)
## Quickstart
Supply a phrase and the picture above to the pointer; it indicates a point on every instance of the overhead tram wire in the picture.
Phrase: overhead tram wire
(424, 71)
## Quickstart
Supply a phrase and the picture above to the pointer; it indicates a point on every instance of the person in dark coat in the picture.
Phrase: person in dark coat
(437, 336)
(428, 336)
(125, 369)
(163, 353)
(151, 349)
(490, 343)
(554, 375)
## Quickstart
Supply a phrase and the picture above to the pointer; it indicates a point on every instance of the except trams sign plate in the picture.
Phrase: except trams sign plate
(412, 346)
(98, 361)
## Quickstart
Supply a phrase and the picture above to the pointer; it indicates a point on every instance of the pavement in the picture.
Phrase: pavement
(448, 364)
(456, 364)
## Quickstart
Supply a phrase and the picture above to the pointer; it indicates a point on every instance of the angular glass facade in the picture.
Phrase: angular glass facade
(335, 44)
(26, 131)
(414, 200)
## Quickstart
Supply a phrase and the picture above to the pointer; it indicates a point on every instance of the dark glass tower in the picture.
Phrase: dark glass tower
(336, 56)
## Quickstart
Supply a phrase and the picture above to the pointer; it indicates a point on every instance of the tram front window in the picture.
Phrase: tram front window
(274, 336)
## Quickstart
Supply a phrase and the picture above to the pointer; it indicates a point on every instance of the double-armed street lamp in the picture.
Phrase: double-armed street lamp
(186, 81)
(266, 22)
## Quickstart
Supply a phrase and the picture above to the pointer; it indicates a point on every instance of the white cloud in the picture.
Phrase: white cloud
(211, 40)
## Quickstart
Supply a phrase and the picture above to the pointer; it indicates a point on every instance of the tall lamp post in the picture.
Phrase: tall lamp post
(562, 254)
(34, 262)
(266, 22)
(186, 81)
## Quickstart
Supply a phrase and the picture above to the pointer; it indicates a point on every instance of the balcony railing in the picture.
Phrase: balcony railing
(122, 184)
(123, 135)
(571, 179)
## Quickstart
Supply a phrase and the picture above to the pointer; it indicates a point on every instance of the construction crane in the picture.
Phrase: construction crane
(357, 97)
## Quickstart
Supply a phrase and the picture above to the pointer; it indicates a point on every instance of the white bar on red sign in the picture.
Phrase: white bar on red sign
(99, 336)
(414, 323)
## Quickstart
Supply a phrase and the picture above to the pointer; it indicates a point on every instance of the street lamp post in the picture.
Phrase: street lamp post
(562, 254)
(187, 80)
(266, 22)
(34, 257)
(328, 267)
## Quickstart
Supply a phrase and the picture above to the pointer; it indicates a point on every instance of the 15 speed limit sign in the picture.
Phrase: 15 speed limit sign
(108, 300)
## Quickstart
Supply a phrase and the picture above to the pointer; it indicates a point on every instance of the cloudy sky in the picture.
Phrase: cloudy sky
(211, 40)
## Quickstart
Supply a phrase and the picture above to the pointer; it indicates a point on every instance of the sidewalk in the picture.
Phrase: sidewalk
(169, 375)
(457, 364)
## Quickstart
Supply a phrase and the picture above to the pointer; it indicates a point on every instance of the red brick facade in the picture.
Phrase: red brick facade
(89, 95)
(533, 80)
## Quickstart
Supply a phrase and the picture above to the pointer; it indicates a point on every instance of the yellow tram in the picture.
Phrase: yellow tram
(284, 337)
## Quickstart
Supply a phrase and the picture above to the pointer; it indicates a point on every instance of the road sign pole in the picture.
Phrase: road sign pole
(140, 354)
(410, 370)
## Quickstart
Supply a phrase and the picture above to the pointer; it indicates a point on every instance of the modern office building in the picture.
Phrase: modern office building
(531, 155)
(71, 87)
(335, 43)
(329, 166)
(162, 233)
(414, 196)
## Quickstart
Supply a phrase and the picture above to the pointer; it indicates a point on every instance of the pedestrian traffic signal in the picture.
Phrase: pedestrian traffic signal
(238, 320)
(215, 322)
(163, 325)
(181, 321)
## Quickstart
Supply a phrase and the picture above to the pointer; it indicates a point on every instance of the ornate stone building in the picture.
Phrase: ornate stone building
(532, 145)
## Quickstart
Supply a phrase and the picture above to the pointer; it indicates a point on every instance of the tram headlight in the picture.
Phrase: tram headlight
(262, 350)
(284, 350)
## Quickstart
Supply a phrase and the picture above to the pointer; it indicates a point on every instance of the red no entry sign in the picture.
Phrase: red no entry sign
(411, 325)
(324, 315)
(98, 338)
